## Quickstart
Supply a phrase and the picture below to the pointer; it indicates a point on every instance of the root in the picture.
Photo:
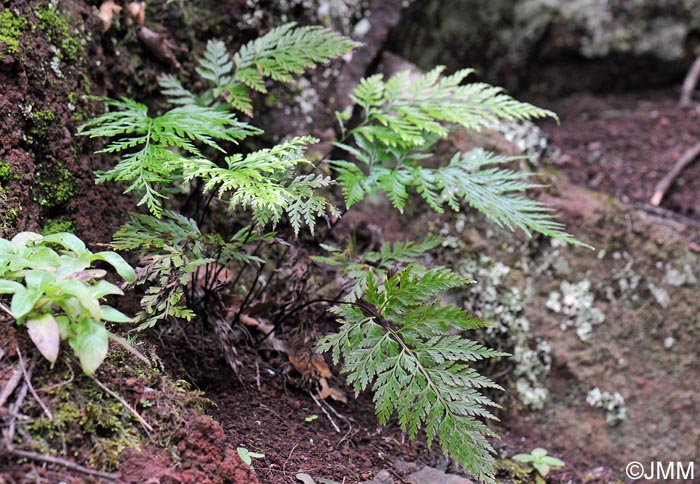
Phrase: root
(691, 80)
(666, 182)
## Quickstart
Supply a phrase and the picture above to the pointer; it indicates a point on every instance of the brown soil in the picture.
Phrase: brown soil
(624, 144)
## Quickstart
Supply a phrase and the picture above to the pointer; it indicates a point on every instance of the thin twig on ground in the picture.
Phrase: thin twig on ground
(64, 463)
(328, 415)
(666, 182)
(28, 378)
(9, 432)
(147, 427)
(691, 80)
(11, 385)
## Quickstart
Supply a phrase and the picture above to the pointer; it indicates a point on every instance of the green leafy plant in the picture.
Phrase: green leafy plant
(396, 337)
(402, 120)
(540, 461)
(399, 339)
(248, 456)
(56, 294)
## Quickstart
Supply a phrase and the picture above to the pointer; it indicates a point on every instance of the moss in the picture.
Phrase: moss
(58, 31)
(54, 226)
(5, 171)
(11, 29)
(43, 122)
(54, 187)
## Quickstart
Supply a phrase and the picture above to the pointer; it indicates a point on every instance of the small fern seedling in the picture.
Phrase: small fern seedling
(399, 341)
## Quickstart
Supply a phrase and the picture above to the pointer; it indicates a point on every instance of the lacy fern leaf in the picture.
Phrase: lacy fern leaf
(407, 109)
(157, 147)
(261, 182)
(397, 340)
(287, 50)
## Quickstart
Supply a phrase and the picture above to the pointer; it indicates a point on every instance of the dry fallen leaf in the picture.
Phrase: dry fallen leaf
(328, 391)
(106, 14)
(138, 11)
(310, 364)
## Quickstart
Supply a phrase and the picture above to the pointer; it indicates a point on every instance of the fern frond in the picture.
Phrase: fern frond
(387, 341)
(173, 90)
(261, 182)
(407, 109)
(494, 192)
(157, 147)
(287, 50)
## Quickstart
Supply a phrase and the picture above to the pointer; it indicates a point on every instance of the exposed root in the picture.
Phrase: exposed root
(691, 80)
(666, 182)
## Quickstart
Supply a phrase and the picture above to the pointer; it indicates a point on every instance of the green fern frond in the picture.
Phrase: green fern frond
(407, 109)
(287, 50)
(388, 341)
(157, 147)
(493, 191)
(261, 182)
(173, 90)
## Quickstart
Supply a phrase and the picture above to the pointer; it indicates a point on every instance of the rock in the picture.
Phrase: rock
(563, 45)
(382, 477)
(429, 475)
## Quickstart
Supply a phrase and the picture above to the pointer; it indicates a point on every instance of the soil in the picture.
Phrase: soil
(618, 145)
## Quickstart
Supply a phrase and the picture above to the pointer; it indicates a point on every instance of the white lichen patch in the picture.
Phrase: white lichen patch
(530, 140)
(613, 403)
(493, 299)
(575, 302)
(679, 277)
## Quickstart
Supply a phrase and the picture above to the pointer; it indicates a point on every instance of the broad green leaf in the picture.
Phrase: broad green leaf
(552, 461)
(9, 287)
(120, 265)
(44, 332)
(90, 344)
(542, 468)
(110, 314)
(539, 452)
(103, 288)
(67, 240)
(64, 327)
(524, 458)
(21, 239)
(23, 301)
(83, 293)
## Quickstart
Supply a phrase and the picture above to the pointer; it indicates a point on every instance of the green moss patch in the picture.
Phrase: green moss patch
(54, 187)
(11, 28)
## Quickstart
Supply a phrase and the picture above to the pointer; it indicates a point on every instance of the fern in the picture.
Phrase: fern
(280, 54)
(261, 182)
(157, 147)
(378, 264)
(405, 111)
(403, 118)
(398, 340)
(173, 248)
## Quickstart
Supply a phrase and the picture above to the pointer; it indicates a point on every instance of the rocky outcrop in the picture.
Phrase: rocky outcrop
(555, 45)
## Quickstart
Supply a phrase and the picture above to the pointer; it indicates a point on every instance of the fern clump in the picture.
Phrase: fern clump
(404, 117)
(396, 336)
(399, 340)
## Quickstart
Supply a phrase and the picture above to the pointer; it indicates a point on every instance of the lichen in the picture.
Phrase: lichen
(613, 403)
(575, 302)
(493, 300)
(11, 30)
(5, 171)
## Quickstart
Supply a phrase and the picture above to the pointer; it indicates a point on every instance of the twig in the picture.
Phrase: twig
(9, 432)
(335, 425)
(143, 422)
(691, 80)
(64, 463)
(665, 183)
(7, 310)
(11, 385)
(28, 379)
